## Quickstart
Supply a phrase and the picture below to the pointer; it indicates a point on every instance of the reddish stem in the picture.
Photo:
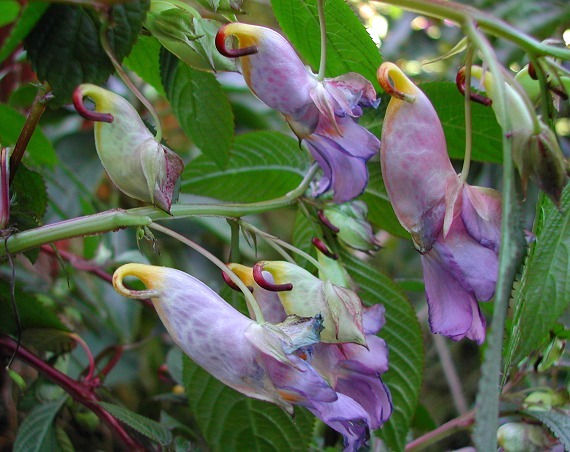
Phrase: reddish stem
(320, 245)
(88, 114)
(221, 37)
(79, 391)
(259, 279)
(479, 98)
(84, 265)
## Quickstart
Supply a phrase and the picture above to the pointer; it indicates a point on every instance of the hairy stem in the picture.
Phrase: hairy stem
(80, 392)
(468, 116)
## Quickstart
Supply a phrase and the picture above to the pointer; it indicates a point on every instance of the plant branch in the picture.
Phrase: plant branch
(455, 425)
(79, 391)
(459, 13)
(36, 111)
(113, 220)
(323, 28)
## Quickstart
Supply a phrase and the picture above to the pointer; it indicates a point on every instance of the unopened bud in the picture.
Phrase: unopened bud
(545, 400)
(136, 163)
(545, 164)
(350, 221)
(522, 437)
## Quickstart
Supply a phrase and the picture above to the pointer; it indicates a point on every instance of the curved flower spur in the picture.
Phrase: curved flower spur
(455, 227)
(352, 370)
(321, 112)
(137, 164)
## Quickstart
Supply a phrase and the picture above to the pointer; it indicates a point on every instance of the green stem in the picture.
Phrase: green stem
(113, 220)
(488, 395)
(455, 425)
(459, 13)
(282, 243)
(468, 117)
(127, 81)
(249, 298)
(323, 27)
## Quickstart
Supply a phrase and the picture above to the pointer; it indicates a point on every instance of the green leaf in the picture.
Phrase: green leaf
(30, 199)
(543, 293)
(39, 152)
(230, 421)
(201, 106)
(262, 166)
(37, 432)
(402, 333)
(29, 16)
(8, 12)
(144, 60)
(144, 425)
(303, 231)
(450, 107)
(64, 46)
(349, 46)
(557, 421)
(380, 211)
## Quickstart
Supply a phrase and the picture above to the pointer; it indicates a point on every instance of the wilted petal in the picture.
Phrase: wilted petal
(350, 91)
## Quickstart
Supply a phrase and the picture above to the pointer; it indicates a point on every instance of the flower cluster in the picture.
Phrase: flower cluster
(321, 112)
(287, 361)
(455, 226)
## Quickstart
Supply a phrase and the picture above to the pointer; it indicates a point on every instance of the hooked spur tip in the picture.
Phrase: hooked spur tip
(475, 97)
(232, 284)
(322, 247)
(88, 114)
(267, 285)
(221, 41)
(395, 83)
(324, 219)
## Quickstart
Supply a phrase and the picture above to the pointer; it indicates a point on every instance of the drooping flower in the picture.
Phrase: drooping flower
(137, 164)
(353, 371)
(455, 226)
(305, 295)
(266, 361)
(321, 112)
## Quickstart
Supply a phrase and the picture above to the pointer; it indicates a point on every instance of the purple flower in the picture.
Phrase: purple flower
(321, 112)
(456, 227)
(353, 371)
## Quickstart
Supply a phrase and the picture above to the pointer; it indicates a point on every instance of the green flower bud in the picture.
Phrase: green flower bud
(182, 31)
(528, 83)
(136, 163)
(348, 220)
(545, 400)
(522, 437)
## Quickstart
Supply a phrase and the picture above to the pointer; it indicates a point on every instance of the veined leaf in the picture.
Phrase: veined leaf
(558, 422)
(64, 45)
(231, 421)
(380, 211)
(262, 165)
(144, 425)
(145, 61)
(201, 106)
(544, 290)
(402, 333)
(450, 107)
(37, 432)
(349, 46)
